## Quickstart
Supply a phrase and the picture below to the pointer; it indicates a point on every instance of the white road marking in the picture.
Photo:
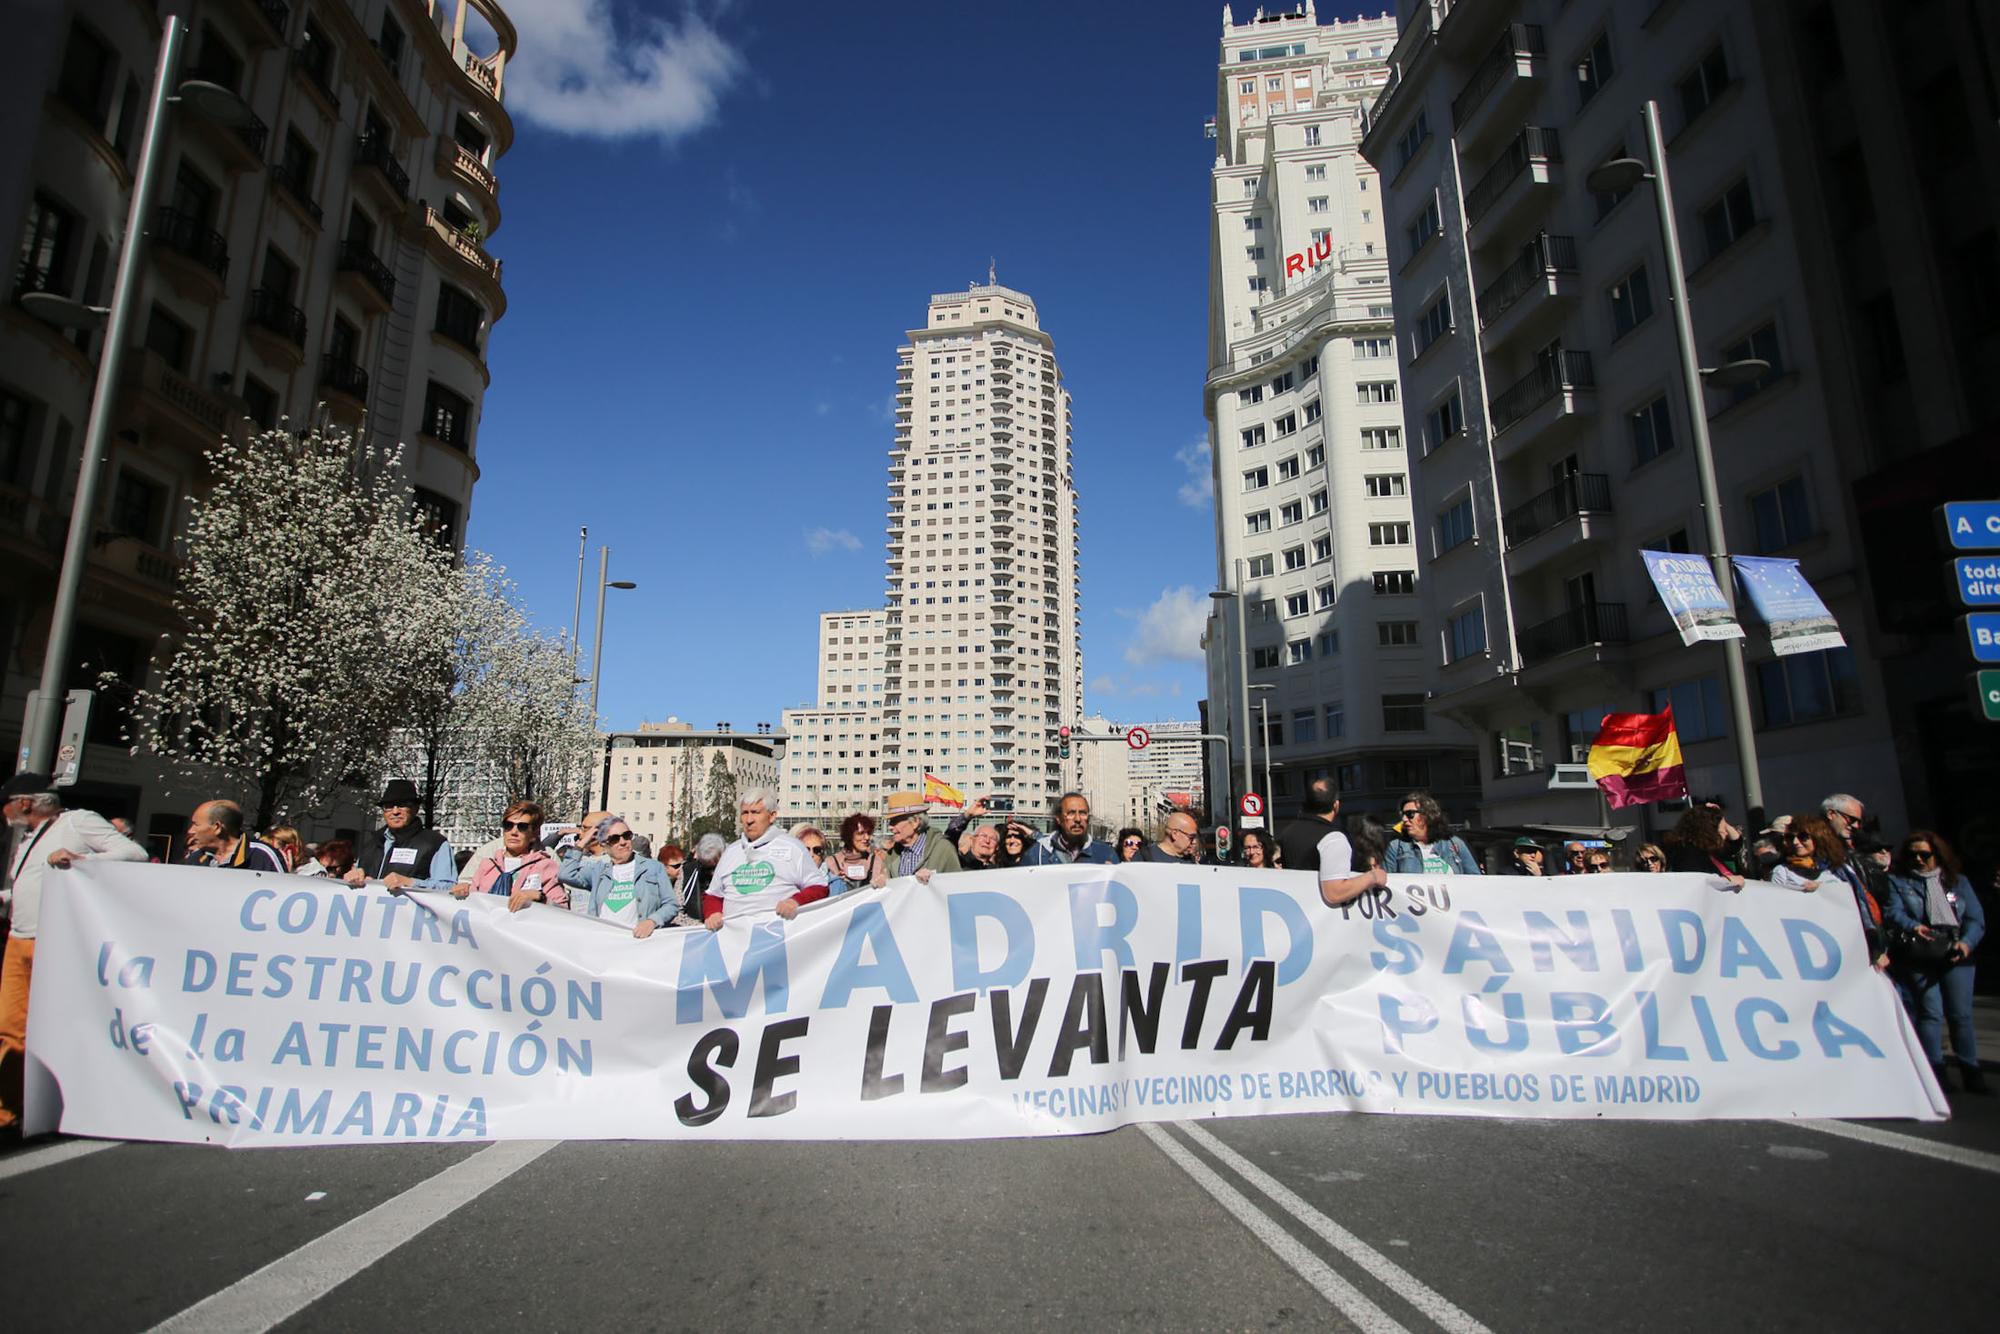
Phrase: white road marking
(1923, 1148)
(1392, 1275)
(1338, 1292)
(293, 1282)
(14, 1164)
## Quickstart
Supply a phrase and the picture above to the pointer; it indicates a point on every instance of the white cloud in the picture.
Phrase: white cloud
(820, 541)
(1103, 685)
(1199, 488)
(597, 69)
(1170, 629)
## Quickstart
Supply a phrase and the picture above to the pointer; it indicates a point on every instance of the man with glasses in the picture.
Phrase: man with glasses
(402, 853)
(1070, 841)
(1180, 841)
(1864, 875)
(914, 850)
(765, 871)
(623, 886)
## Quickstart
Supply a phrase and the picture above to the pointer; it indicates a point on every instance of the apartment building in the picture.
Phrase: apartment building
(1834, 167)
(663, 776)
(1313, 517)
(981, 660)
(1167, 772)
(322, 257)
(831, 761)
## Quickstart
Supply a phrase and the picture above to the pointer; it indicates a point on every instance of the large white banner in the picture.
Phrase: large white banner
(174, 1003)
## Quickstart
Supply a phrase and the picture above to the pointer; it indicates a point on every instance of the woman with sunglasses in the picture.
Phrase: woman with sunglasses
(853, 864)
(622, 886)
(1809, 849)
(1426, 845)
(520, 869)
(1934, 908)
(1014, 844)
(1257, 851)
(1652, 859)
(1130, 843)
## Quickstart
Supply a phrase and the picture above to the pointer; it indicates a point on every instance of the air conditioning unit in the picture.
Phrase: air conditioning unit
(1570, 778)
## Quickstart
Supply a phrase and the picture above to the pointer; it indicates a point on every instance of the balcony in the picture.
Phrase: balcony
(368, 275)
(171, 406)
(1502, 86)
(121, 553)
(1574, 497)
(1531, 293)
(314, 64)
(294, 182)
(1559, 391)
(374, 153)
(465, 249)
(1523, 173)
(194, 245)
(277, 16)
(277, 325)
(456, 160)
(1587, 625)
(243, 145)
(340, 376)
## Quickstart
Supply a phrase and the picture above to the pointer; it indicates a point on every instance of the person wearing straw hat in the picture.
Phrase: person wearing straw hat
(914, 849)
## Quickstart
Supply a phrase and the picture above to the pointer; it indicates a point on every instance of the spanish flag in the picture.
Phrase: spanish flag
(942, 793)
(1636, 758)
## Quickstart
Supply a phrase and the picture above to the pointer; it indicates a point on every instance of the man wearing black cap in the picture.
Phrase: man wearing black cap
(403, 854)
(45, 836)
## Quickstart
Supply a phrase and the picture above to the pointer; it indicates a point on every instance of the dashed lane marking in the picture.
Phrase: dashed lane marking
(1923, 1148)
(52, 1155)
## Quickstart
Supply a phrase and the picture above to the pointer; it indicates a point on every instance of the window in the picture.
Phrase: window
(1371, 348)
(84, 85)
(1652, 431)
(1305, 728)
(1631, 302)
(1406, 773)
(1443, 422)
(1260, 522)
(1312, 136)
(1316, 171)
(1287, 424)
(1804, 687)
(439, 514)
(1288, 468)
(1253, 223)
(1386, 484)
(1291, 512)
(1329, 643)
(1315, 455)
(262, 401)
(1316, 502)
(1395, 634)
(1724, 222)
(1465, 634)
(1254, 394)
(1517, 749)
(1427, 224)
(1295, 558)
(1263, 659)
(1594, 69)
(1454, 525)
(459, 317)
(1375, 391)
(17, 443)
(1388, 534)
(1395, 582)
(1295, 604)
(1281, 383)
(1322, 549)
(1412, 140)
(1259, 283)
(169, 339)
(1298, 651)
(1698, 711)
(1699, 89)
(1433, 324)
(1309, 367)
(1402, 713)
(1324, 596)
(48, 248)
(1253, 253)
(1253, 436)
(1762, 344)
(447, 416)
(1312, 412)
(1260, 567)
(1256, 479)
(1783, 515)
(138, 507)
(1381, 437)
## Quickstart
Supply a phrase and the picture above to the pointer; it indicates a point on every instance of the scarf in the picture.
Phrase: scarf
(1937, 908)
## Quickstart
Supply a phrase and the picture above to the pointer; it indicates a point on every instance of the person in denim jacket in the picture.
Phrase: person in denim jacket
(621, 887)
(1426, 845)
(1929, 895)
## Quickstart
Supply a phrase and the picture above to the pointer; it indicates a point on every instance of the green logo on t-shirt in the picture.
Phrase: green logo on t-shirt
(752, 877)
(618, 898)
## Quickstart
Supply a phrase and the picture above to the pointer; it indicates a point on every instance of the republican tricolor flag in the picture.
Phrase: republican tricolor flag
(937, 791)
(1637, 758)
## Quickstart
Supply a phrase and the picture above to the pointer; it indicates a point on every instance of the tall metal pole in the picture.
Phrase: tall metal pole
(597, 644)
(39, 748)
(576, 617)
(1264, 727)
(1243, 670)
(1735, 678)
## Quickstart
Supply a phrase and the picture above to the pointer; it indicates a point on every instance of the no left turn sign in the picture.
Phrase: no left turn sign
(1138, 738)
(1252, 804)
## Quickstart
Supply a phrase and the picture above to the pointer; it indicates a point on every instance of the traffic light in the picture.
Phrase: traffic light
(1062, 735)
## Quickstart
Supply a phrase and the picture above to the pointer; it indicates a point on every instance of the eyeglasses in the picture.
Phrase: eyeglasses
(1648, 859)
(815, 848)
(1130, 843)
(1410, 812)
(524, 825)
(1922, 855)
(1800, 837)
(625, 837)
(1181, 834)
(1598, 866)
(673, 866)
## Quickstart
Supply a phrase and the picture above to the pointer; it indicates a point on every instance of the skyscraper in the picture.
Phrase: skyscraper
(981, 663)
(1312, 509)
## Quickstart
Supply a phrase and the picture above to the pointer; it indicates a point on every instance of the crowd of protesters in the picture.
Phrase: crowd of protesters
(1920, 915)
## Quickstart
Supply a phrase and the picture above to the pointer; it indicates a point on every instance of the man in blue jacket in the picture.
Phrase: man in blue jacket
(621, 886)
(1070, 841)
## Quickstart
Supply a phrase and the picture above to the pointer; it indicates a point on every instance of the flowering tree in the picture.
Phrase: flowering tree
(307, 596)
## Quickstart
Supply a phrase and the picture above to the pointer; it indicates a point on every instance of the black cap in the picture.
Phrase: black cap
(26, 782)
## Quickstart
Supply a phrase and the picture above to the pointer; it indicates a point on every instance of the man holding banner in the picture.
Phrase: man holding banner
(767, 870)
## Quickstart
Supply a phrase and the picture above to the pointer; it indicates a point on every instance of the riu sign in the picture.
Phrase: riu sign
(1296, 262)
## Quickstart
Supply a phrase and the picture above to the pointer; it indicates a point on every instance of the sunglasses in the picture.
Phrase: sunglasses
(1649, 860)
(815, 848)
(1599, 866)
(625, 837)
(521, 824)
(1130, 843)
(1923, 855)
(1410, 812)
(673, 866)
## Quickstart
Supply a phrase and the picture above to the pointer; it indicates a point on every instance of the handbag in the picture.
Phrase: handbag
(1911, 950)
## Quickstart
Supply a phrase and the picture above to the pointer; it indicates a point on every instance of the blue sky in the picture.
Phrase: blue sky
(718, 223)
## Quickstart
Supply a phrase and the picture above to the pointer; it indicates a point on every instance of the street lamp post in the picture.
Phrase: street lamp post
(1622, 174)
(1242, 665)
(1264, 690)
(39, 744)
(604, 581)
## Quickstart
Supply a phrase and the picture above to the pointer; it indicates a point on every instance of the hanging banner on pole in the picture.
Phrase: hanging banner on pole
(1784, 601)
(206, 1006)
(1687, 586)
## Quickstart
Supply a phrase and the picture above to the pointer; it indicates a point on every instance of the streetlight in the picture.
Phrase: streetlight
(206, 99)
(604, 581)
(1626, 173)
(1242, 664)
(1264, 690)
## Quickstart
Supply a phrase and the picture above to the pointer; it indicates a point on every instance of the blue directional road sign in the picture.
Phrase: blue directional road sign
(1973, 525)
(1983, 630)
(1978, 580)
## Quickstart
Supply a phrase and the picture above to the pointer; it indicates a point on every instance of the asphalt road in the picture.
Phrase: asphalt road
(1322, 1222)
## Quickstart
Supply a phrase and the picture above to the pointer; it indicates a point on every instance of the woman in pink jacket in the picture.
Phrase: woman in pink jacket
(520, 870)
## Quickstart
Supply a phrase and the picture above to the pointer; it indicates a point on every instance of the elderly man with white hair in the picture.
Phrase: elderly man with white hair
(765, 871)
(45, 836)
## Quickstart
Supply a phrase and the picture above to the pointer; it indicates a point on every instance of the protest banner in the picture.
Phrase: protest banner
(177, 1003)
(1687, 586)
(1799, 622)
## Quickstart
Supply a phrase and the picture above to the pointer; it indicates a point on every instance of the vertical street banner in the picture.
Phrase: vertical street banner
(1687, 586)
(1799, 622)
(204, 1006)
